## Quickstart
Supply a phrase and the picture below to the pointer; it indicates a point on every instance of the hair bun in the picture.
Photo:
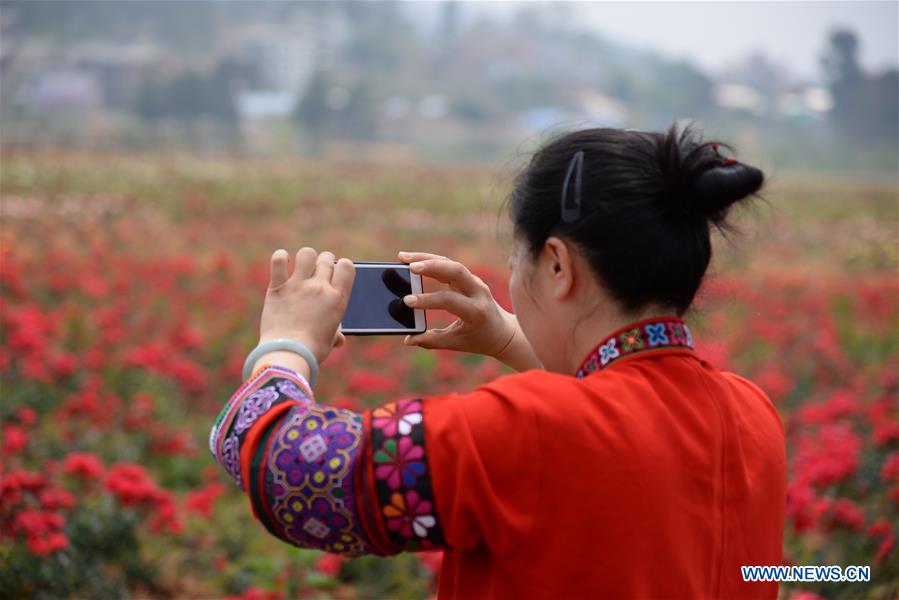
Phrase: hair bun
(715, 189)
(697, 179)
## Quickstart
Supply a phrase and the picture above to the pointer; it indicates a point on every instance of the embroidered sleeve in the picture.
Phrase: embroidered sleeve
(328, 478)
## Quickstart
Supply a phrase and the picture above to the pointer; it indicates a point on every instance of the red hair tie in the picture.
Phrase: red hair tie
(725, 160)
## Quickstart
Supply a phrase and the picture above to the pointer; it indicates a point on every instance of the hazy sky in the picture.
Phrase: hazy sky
(713, 34)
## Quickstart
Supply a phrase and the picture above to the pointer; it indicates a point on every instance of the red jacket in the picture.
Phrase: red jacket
(648, 474)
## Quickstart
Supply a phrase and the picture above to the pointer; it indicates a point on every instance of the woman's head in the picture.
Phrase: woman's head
(641, 243)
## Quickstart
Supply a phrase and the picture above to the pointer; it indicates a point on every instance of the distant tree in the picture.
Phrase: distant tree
(449, 22)
(382, 40)
(189, 95)
(151, 101)
(865, 107)
(312, 112)
(360, 117)
(846, 82)
(884, 92)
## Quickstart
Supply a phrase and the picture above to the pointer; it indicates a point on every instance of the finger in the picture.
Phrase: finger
(448, 271)
(344, 274)
(410, 256)
(305, 264)
(449, 300)
(278, 265)
(339, 340)
(324, 266)
(433, 339)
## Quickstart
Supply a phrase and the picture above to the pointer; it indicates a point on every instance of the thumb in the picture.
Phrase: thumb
(339, 339)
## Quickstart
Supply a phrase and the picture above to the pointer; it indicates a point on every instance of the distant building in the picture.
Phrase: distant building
(264, 104)
(60, 89)
(118, 68)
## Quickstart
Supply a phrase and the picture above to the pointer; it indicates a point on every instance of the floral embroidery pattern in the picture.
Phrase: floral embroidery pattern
(656, 334)
(608, 351)
(394, 417)
(309, 486)
(399, 461)
(677, 333)
(402, 479)
(409, 514)
(651, 334)
(631, 340)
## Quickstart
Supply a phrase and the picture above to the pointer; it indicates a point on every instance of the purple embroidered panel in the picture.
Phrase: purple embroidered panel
(309, 491)
(402, 478)
(651, 334)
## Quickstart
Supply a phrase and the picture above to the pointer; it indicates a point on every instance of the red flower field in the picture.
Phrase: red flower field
(131, 294)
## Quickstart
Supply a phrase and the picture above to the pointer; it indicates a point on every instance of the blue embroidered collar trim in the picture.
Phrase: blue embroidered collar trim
(642, 336)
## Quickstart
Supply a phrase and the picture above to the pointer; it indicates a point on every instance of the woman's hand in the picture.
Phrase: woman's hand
(308, 304)
(483, 326)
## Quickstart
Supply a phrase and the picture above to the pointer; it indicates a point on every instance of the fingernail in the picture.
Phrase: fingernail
(415, 266)
(403, 253)
(410, 300)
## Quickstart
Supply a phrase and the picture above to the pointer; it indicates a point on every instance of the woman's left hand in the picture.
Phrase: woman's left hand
(308, 304)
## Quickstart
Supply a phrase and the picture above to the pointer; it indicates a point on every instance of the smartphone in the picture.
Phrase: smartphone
(376, 304)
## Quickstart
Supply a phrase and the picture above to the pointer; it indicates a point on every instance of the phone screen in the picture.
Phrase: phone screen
(376, 301)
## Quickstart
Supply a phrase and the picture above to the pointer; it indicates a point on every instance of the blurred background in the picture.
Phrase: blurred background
(809, 85)
(153, 155)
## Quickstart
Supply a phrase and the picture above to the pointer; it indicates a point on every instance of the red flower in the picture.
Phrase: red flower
(367, 382)
(885, 547)
(53, 498)
(23, 480)
(14, 439)
(847, 513)
(42, 530)
(202, 501)
(26, 415)
(880, 527)
(377, 351)
(890, 469)
(329, 564)
(885, 432)
(63, 364)
(41, 546)
(347, 403)
(83, 464)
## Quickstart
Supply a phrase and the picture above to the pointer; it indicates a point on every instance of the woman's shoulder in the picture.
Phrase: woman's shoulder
(752, 396)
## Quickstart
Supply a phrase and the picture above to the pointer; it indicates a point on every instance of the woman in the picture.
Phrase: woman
(617, 463)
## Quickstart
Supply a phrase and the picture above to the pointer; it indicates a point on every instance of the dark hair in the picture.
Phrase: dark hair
(648, 201)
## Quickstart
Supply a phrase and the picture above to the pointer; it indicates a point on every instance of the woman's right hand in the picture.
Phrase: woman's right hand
(483, 326)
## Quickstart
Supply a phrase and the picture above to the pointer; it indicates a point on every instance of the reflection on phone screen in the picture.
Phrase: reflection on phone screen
(376, 301)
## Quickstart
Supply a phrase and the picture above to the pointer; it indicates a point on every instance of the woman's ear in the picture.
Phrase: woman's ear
(559, 262)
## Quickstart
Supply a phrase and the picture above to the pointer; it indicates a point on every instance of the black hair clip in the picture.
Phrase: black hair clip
(572, 213)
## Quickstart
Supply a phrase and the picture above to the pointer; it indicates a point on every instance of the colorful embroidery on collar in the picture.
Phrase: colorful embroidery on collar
(650, 334)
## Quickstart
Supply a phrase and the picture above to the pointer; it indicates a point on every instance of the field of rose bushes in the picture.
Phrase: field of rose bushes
(131, 294)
